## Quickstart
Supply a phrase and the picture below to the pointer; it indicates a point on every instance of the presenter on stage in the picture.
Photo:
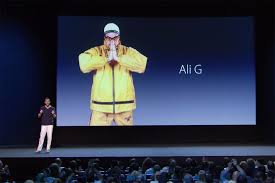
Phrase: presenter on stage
(113, 93)
(46, 114)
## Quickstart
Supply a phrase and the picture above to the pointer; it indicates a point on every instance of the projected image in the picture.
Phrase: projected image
(124, 71)
(113, 93)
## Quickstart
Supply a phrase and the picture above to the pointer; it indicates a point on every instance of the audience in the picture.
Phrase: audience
(150, 171)
(4, 172)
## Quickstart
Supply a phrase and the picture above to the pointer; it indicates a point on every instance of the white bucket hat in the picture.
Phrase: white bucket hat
(111, 30)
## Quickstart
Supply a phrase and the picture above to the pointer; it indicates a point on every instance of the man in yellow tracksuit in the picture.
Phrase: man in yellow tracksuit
(113, 92)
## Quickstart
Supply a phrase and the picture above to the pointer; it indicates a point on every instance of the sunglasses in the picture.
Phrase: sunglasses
(110, 39)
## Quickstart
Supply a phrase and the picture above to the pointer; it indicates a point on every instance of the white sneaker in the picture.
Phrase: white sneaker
(37, 151)
(48, 151)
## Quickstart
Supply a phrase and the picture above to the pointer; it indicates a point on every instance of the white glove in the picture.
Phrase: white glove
(113, 48)
(110, 57)
(115, 55)
(112, 54)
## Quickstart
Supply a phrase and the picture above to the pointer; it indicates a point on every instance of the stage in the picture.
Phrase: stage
(170, 151)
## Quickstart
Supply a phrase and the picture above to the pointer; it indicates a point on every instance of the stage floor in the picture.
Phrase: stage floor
(172, 151)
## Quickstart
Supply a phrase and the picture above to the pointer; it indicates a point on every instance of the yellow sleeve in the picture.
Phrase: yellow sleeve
(133, 60)
(91, 60)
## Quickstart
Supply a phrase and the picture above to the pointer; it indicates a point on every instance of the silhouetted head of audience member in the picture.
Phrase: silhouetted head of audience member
(172, 163)
(259, 176)
(97, 160)
(188, 162)
(156, 176)
(1, 164)
(91, 163)
(204, 164)
(241, 179)
(250, 170)
(65, 174)
(115, 172)
(97, 163)
(235, 175)
(269, 180)
(40, 177)
(156, 168)
(54, 170)
(270, 165)
(209, 178)
(250, 163)
(211, 167)
(147, 163)
(4, 172)
(177, 173)
(163, 176)
(261, 168)
(270, 176)
(114, 163)
(226, 160)
(260, 162)
(202, 176)
(134, 167)
(79, 165)
(73, 165)
(171, 167)
(243, 165)
(112, 180)
(187, 178)
(58, 161)
(29, 181)
(133, 160)
(46, 172)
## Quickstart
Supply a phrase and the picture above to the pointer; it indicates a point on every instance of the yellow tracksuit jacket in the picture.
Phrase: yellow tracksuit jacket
(113, 89)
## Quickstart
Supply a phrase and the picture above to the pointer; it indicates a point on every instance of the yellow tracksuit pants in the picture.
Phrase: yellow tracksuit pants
(106, 119)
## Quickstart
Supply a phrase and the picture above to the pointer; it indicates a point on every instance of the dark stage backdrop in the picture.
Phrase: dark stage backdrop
(28, 74)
